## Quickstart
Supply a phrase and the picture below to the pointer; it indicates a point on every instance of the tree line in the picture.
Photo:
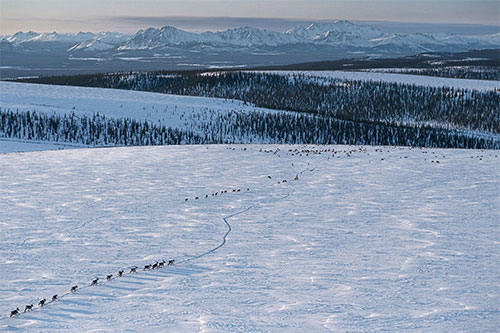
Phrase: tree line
(456, 72)
(231, 127)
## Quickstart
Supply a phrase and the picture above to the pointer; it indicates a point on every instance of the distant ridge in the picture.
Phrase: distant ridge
(340, 33)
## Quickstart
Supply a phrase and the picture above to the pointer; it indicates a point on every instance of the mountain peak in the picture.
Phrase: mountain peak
(153, 38)
(318, 30)
(168, 28)
(330, 25)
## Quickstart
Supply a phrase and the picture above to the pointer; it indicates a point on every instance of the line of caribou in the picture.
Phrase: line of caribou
(42, 302)
(218, 193)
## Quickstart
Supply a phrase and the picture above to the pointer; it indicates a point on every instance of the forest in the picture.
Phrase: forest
(381, 102)
(232, 127)
(456, 72)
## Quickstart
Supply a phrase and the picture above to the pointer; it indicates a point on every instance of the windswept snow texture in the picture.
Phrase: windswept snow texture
(418, 80)
(379, 240)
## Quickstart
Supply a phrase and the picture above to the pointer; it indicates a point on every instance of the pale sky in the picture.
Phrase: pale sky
(131, 15)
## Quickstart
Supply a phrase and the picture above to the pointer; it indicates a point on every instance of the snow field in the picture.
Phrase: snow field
(371, 239)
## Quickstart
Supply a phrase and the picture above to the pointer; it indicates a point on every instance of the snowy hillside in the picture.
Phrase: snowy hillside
(375, 239)
(182, 119)
(117, 117)
(380, 76)
(170, 110)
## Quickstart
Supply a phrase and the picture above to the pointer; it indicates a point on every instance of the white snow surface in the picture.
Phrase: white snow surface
(375, 239)
(418, 80)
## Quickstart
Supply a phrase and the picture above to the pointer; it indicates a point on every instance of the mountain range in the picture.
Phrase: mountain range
(169, 47)
(339, 33)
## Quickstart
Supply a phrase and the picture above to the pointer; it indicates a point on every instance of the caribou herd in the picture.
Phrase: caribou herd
(94, 282)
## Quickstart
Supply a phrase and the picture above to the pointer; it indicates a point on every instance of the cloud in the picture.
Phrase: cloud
(130, 24)
(198, 24)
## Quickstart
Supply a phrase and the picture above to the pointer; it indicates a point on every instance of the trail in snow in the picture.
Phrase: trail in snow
(229, 227)
(224, 238)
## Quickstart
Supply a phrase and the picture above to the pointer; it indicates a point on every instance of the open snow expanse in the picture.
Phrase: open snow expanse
(418, 80)
(382, 239)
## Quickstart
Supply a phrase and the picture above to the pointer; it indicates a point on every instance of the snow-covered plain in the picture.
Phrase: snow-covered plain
(382, 239)
(418, 80)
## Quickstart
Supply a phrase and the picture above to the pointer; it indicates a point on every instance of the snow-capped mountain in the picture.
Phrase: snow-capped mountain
(339, 27)
(103, 41)
(153, 38)
(248, 36)
(20, 36)
(31, 36)
(169, 36)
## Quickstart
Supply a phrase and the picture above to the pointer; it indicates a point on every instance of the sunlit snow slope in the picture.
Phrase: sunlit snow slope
(364, 240)
(170, 110)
